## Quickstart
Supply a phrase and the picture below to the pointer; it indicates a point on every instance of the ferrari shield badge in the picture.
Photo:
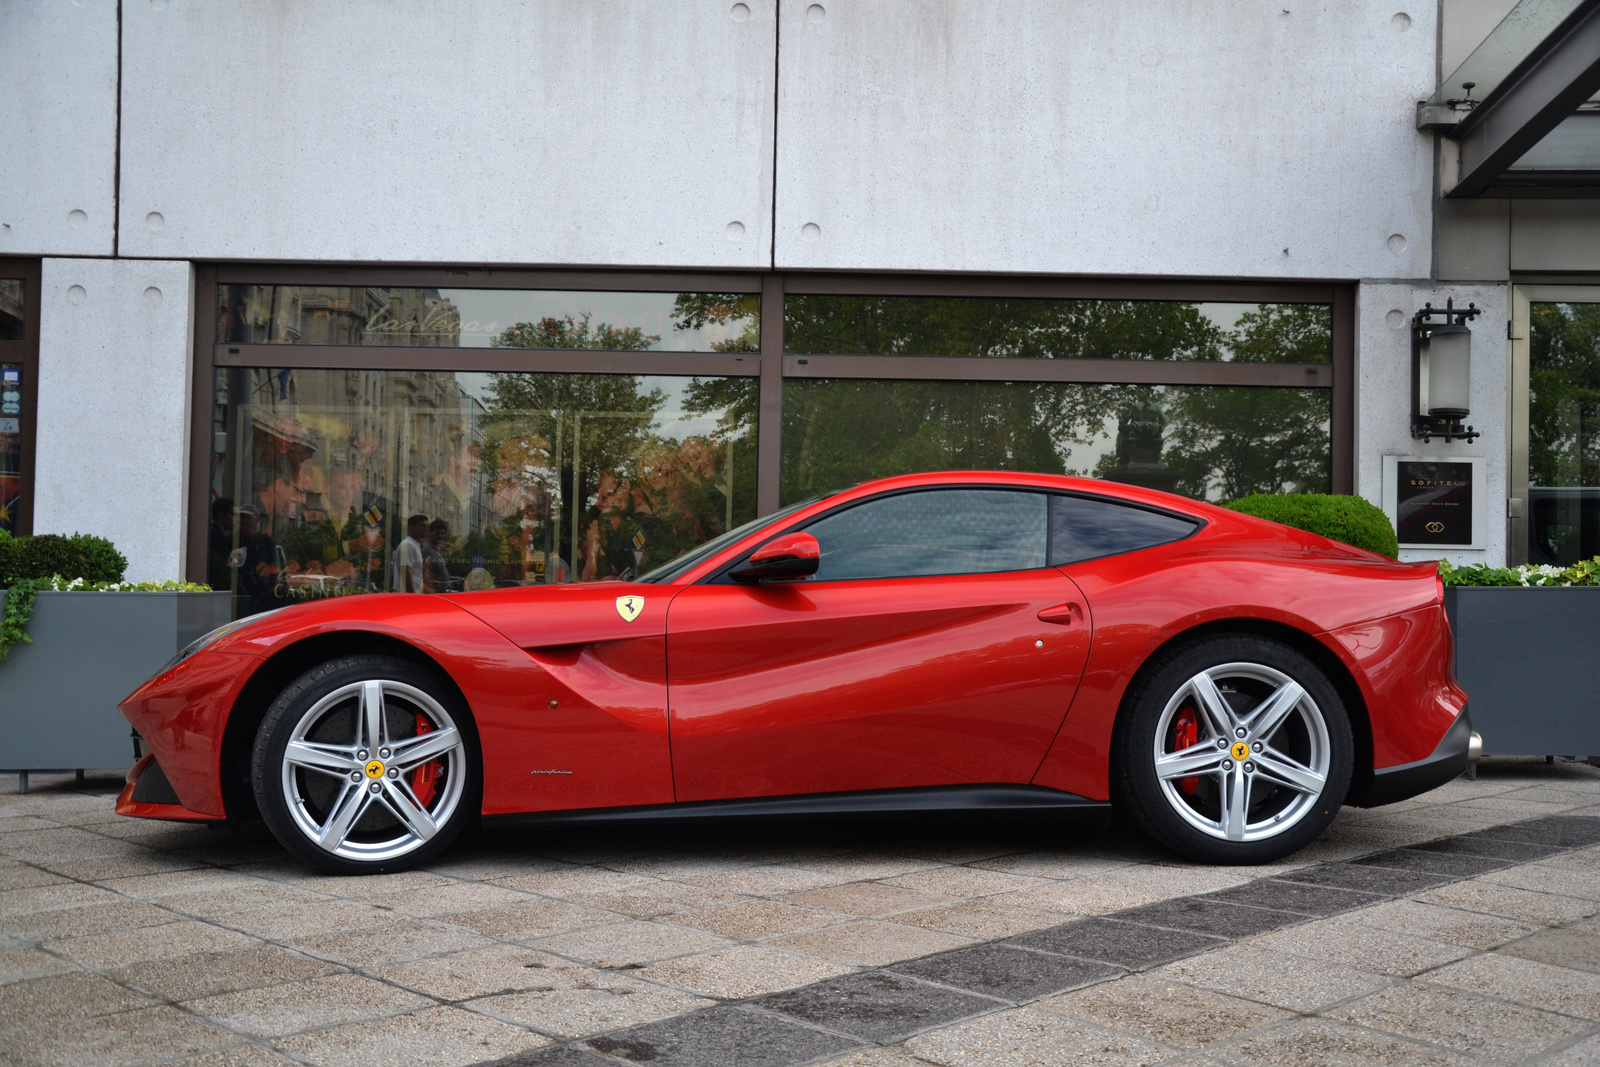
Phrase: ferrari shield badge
(629, 607)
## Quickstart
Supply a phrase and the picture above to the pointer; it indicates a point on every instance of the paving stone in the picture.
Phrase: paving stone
(1382, 880)
(1442, 923)
(1460, 1020)
(1571, 948)
(87, 919)
(876, 1005)
(1127, 887)
(309, 920)
(50, 896)
(574, 1001)
(536, 917)
(220, 901)
(1582, 1053)
(167, 941)
(964, 881)
(1567, 831)
(1449, 864)
(1325, 1043)
(1584, 885)
(560, 1056)
(981, 919)
(1487, 843)
(1030, 1037)
(476, 973)
(20, 964)
(656, 898)
(742, 971)
(199, 884)
(1201, 916)
(60, 998)
(434, 1037)
(1008, 973)
(871, 942)
(753, 920)
(722, 1037)
(867, 900)
(159, 1034)
(1538, 985)
(1130, 945)
(25, 876)
(238, 1056)
(1512, 903)
(1274, 978)
(207, 974)
(875, 1057)
(374, 946)
(1364, 947)
(307, 1005)
(630, 944)
(768, 881)
(1169, 1012)
(1275, 893)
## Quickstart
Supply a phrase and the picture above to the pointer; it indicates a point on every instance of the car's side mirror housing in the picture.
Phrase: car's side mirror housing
(788, 558)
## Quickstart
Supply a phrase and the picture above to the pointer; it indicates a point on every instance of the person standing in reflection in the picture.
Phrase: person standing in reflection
(256, 563)
(410, 573)
(437, 579)
(220, 544)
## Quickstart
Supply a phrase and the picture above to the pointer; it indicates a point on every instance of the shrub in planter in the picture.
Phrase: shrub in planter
(1349, 519)
(1584, 572)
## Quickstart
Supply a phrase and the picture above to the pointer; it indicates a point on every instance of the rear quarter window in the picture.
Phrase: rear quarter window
(1084, 527)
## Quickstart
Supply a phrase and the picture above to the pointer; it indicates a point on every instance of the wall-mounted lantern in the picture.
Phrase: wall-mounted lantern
(1441, 372)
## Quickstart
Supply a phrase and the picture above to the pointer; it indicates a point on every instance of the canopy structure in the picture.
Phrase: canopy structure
(1521, 116)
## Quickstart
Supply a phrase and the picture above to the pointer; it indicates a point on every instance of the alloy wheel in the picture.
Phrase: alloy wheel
(373, 770)
(1242, 752)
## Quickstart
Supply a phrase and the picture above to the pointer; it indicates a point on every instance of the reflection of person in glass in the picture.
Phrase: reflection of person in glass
(409, 572)
(255, 562)
(220, 544)
(437, 579)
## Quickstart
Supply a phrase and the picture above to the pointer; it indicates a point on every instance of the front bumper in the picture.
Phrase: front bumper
(149, 795)
(1448, 761)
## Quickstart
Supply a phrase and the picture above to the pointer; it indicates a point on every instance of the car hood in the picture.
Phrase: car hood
(537, 616)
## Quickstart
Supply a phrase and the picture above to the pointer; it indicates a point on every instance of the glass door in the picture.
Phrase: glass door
(1555, 412)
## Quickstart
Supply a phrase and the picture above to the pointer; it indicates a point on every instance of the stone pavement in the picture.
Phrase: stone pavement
(869, 944)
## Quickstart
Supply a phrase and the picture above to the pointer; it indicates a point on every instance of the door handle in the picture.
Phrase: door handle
(1068, 614)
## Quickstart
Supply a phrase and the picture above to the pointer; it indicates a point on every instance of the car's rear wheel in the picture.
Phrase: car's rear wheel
(1233, 749)
(367, 763)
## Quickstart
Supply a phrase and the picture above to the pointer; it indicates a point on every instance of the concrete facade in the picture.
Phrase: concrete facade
(1150, 139)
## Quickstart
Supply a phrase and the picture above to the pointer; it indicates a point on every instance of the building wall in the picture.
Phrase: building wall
(114, 386)
(58, 127)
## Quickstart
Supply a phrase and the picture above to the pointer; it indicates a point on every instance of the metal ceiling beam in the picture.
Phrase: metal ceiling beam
(1546, 87)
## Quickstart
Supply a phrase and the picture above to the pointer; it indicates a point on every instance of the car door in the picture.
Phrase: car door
(934, 646)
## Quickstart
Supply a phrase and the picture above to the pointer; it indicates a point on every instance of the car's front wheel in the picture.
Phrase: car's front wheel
(1233, 749)
(367, 763)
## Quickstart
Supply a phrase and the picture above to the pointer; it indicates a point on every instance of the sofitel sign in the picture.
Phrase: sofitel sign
(1435, 503)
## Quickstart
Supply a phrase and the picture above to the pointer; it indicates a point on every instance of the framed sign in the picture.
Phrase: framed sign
(1436, 503)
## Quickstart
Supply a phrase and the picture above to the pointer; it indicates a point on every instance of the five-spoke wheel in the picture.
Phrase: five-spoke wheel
(362, 765)
(1235, 748)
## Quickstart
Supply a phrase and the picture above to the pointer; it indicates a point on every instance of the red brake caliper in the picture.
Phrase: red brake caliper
(1185, 732)
(425, 779)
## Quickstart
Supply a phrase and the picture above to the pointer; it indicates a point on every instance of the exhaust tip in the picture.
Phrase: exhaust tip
(1474, 754)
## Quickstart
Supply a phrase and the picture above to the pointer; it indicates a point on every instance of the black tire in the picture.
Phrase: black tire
(380, 806)
(1274, 779)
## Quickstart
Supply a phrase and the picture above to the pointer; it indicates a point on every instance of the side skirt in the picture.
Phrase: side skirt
(975, 798)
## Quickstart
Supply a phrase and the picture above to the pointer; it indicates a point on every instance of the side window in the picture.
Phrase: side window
(1088, 527)
(937, 531)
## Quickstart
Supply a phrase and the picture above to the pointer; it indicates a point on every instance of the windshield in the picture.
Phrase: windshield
(691, 559)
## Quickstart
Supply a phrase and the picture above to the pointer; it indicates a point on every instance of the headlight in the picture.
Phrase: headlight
(211, 638)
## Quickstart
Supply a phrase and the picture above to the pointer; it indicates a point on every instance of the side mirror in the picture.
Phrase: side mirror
(787, 558)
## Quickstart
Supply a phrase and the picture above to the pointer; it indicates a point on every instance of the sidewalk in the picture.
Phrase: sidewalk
(883, 944)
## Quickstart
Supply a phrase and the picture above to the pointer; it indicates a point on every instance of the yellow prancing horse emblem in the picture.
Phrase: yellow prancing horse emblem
(1241, 751)
(629, 607)
(375, 769)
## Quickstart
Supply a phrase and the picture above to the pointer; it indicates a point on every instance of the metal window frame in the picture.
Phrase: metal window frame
(770, 365)
(26, 352)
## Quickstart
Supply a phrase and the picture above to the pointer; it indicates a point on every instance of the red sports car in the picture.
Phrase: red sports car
(971, 640)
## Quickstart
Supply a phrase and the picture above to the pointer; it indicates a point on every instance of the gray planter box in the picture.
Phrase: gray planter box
(59, 695)
(1529, 659)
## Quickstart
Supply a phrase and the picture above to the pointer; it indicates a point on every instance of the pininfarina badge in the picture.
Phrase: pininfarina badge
(629, 607)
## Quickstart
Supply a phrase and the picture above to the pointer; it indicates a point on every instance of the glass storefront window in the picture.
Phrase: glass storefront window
(1563, 433)
(329, 482)
(1057, 329)
(12, 290)
(488, 318)
(1210, 442)
(10, 445)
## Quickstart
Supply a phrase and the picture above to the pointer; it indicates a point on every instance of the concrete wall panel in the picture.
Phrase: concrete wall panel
(1383, 396)
(114, 386)
(58, 127)
(1555, 235)
(1148, 137)
(570, 131)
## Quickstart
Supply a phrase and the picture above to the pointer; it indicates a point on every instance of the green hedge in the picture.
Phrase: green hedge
(1349, 519)
(93, 559)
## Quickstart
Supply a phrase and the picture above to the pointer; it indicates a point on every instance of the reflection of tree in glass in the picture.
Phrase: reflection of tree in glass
(629, 479)
(1564, 395)
(695, 311)
(1226, 443)
(574, 332)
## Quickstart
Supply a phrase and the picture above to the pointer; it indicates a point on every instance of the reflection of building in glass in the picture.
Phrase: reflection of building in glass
(337, 315)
